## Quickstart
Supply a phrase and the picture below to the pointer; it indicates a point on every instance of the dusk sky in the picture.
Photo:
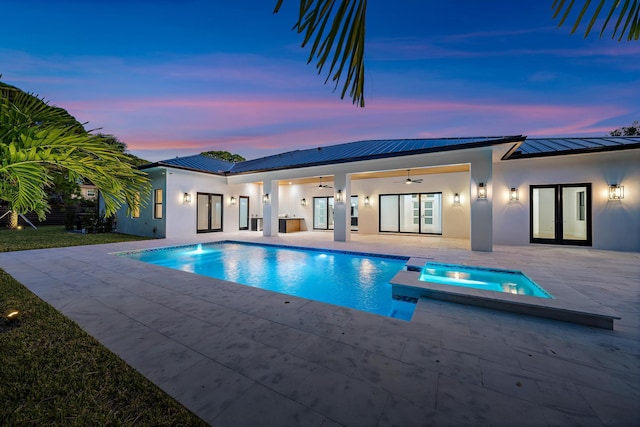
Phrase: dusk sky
(174, 78)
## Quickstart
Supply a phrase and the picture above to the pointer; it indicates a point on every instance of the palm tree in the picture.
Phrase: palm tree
(37, 139)
(337, 29)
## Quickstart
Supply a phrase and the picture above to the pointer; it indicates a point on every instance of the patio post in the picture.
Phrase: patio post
(342, 208)
(270, 208)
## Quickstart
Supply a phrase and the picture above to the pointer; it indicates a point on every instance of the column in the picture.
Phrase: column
(481, 209)
(342, 210)
(270, 209)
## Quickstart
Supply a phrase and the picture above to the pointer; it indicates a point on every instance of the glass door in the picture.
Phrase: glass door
(243, 222)
(561, 214)
(209, 212)
(323, 213)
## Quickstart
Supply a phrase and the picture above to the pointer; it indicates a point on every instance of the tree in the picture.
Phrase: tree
(37, 139)
(337, 30)
(633, 130)
(122, 147)
(224, 155)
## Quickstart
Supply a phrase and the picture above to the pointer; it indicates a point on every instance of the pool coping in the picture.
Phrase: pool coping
(573, 308)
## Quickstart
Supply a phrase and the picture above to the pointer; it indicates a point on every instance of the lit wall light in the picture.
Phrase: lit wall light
(303, 202)
(616, 192)
(186, 198)
(265, 198)
(482, 191)
(367, 202)
(456, 199)
(339, 196)
(513, 194)
(232, 201)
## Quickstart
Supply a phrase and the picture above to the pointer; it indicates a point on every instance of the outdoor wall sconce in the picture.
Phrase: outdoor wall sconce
(186, 198)
(482, 191)
(513, 194)
(616, 192)
(265, 198)
(232, 201)
(339, 196)
(303, 202)
(456, 199)
(367, 202)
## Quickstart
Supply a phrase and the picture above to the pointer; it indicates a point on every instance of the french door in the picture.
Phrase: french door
(243, 220)
(209, 212)
(560, 214)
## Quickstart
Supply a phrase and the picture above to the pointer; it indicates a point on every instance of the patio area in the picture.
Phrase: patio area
(239, 356)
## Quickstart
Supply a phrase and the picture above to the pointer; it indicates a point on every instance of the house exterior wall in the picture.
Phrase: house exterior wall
(145, 224)
(615, 224)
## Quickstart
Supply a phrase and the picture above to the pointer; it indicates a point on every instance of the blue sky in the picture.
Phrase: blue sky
(173, 78)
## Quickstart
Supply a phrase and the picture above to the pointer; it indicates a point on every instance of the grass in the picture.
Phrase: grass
(55, 237)
(54, 373)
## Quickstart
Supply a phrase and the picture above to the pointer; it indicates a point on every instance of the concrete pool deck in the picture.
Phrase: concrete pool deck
(241, 356)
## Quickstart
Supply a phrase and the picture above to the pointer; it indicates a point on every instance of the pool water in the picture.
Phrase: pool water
(491, 279)
(359, 281)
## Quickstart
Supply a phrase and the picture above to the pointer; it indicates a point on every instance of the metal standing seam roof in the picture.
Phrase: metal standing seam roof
(196, 162)
(364, 150)
(376, 149)
(539, 147)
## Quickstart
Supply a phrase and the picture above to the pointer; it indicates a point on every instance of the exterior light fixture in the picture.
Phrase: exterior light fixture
(303, 202)
(616, 192)
(367, 202)
(186, 198)
(482, 191)
(513, 194)
(232, 201)
(456, 199)
(13, 316)
(339, 196)
(265, 198)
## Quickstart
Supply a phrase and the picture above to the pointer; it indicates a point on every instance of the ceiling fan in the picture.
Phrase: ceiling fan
(321, 185)
(409, 180)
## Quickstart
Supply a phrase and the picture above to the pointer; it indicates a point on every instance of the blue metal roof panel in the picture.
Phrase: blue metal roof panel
(536, 147)
(362, 150)
(199, 162)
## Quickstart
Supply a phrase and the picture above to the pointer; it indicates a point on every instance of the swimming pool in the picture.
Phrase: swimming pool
(354, 280)
(491, 279)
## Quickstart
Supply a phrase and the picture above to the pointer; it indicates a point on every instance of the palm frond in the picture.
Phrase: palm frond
(628, 11)
(338, 35)
(35, 136)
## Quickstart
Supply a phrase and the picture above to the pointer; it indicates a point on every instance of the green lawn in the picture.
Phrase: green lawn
(53, 373)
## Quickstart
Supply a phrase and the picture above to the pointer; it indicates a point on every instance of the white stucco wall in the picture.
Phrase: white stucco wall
(616, 224)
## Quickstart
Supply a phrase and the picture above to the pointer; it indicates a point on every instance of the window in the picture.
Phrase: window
(91, 193)
(157, 203)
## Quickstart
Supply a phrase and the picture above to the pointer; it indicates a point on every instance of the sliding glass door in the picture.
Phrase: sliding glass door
(419, 213)
(323, 213)
(561, 214)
